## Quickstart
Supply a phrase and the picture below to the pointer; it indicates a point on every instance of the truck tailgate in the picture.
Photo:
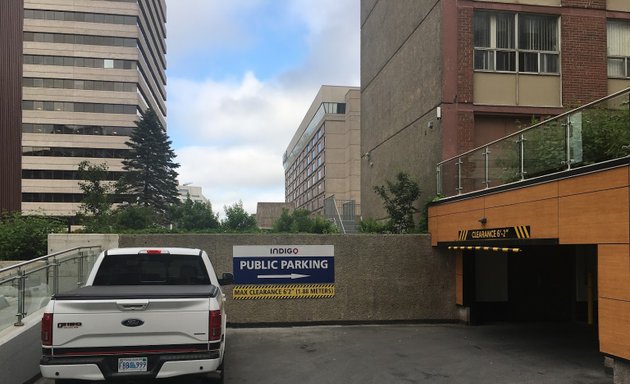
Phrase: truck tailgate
(149, 316)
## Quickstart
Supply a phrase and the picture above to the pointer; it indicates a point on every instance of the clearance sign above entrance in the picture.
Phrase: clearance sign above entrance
(517, 232)
(283, 271)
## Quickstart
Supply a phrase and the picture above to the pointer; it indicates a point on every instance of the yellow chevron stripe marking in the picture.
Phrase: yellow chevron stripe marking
(479, 248)
(283, 291)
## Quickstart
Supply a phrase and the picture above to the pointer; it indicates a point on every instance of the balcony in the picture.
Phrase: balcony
(596, 135)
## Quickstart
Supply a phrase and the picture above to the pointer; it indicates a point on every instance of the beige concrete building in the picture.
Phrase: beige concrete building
(323, 158)
(193, 192)
(268, 212)
(89, 67)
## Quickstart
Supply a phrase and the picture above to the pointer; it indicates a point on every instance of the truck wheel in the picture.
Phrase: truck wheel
(218, 377)
(221, 369)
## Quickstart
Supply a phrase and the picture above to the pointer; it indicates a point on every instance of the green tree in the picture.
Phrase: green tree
(370, 225)
(26, 237)
(135, 218)
(321, 225)
(194, 215)
(301, 221)
(398, 199)
(96, 204)
(237, 219)
(151, 178)
(284, 222)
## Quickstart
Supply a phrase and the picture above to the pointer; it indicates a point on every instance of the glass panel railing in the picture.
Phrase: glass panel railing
(504, 164)
(595, 133)
(26, 287)
(449, 176)
(8, 302)
(38, 290)
(544, 149)
(600, 133)
(473, 171)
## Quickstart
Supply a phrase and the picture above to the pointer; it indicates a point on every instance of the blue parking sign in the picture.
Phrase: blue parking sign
(290, 264)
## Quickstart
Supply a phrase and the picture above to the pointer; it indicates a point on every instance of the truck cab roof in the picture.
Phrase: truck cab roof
(157, 250)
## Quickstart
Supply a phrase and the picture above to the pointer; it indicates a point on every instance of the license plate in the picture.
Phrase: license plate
(132, 364)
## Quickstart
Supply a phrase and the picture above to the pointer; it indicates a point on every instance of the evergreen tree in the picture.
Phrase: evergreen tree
(151, 179)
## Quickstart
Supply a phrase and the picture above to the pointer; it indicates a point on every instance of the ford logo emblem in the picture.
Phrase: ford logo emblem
(132, 322)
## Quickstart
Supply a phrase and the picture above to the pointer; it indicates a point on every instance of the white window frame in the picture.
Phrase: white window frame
(616, 56)
(516, 51)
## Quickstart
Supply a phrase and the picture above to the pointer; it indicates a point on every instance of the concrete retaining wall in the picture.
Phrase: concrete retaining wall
(377, 278)
(20, 350)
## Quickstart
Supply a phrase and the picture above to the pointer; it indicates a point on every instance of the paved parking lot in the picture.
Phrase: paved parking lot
(383, 354)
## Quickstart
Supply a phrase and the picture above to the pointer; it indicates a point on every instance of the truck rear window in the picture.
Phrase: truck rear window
(151, 269)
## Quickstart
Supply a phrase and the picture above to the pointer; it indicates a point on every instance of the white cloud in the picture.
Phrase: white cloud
(206, 24)
(230, 133)
(228, 175)
(236, 112)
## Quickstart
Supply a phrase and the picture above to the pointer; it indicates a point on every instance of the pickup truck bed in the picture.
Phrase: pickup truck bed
(138, 292)
(157, 327)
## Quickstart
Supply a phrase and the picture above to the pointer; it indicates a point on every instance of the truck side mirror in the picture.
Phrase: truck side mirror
(226, 279)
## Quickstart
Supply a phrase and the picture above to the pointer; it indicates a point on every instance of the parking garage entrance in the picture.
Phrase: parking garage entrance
(531, 283)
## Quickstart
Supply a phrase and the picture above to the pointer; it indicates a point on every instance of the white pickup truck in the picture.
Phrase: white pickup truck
(143, 313)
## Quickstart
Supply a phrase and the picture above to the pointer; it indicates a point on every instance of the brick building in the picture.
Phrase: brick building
(442, 77)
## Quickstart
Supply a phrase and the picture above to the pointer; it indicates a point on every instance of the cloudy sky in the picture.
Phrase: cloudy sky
(241, 76)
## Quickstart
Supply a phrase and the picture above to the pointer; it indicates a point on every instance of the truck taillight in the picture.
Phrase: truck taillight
(47, 329)
(214, 333)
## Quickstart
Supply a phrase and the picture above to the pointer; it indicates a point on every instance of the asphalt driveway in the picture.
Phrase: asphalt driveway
(383, 354)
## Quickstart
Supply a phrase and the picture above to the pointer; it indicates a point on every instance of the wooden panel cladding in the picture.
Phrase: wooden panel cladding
(585, 209)
(594, 218)
(523, 195)
(613, 178)
(450, 225)
(458, 207)
(11, 20)
(613, 270)
(541, 216)
(614, 327)
(433, 223)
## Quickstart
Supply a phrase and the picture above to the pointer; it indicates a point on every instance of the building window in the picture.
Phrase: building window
(66, 38)
(60, 129)
(63, 175)
(508, 42)
(30, 105)
(92, 85)
(618, 49)
(78, 62)
(106, 153)
(80, 16)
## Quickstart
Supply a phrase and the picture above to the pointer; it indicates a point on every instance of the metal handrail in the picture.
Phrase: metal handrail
(568, 162)
(46, 257)
(343, 228)
(520, 132)
(52, 262)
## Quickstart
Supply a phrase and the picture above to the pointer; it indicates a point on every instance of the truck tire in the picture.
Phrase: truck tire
(218, 377)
